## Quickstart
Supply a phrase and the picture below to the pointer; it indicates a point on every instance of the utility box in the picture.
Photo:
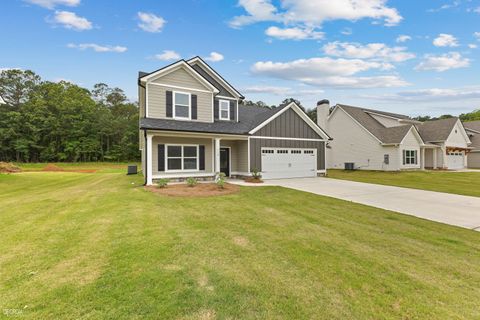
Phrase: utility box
(349, 166)
(132, 169)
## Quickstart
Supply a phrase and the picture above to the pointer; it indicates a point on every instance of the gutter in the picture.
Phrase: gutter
(145, 157)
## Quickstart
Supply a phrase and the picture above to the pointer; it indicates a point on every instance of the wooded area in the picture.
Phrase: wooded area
(47, 121)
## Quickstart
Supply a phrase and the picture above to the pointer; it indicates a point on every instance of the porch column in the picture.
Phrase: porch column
(434, 158)
(149, 160)
(422, 159)
(217, 155)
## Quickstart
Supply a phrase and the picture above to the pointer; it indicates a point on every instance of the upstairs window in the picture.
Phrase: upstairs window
(224, 109)
(181, 105)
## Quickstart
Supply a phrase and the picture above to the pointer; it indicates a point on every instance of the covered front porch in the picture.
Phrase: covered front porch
(179, 155)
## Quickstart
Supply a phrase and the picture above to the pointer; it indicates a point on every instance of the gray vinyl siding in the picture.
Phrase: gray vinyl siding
(256, 146)
(288, 124)
(157, 103)
(173, 140)
(473, 160)
(223, 91)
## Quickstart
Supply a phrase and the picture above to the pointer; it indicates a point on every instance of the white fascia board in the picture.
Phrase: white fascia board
(175, 66)
(215, 74)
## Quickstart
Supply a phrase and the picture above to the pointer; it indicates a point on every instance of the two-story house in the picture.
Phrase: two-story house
(193, 124)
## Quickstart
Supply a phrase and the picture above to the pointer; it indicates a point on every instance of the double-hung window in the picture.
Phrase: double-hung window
(409, 157)
(182, 158)
(224, 109)
(181, 105)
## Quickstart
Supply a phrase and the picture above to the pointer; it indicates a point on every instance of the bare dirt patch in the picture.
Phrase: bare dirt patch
(241, 241)
(8, 167)
(54, 168)
(253, 180)
(200, 190)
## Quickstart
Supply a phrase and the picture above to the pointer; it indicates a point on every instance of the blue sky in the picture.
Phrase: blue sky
(412, 57)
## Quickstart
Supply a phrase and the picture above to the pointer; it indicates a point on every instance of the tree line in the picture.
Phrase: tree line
(46, 121)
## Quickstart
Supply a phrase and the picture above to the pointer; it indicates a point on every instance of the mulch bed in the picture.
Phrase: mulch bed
(54, 168)
(253, 180)
(199, 190)
(7, 167)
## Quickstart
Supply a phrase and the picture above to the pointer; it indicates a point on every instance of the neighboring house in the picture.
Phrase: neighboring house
(473, 130)
(193, 125)
(377, 140)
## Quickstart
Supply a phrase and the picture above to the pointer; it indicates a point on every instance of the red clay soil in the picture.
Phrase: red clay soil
(199, 190)
(7, 167)
(54, 168)
(253, 180)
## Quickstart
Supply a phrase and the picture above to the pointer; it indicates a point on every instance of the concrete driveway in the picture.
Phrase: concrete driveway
(447, 208)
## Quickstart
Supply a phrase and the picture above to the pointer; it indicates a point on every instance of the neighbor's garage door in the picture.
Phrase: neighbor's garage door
(455, 160)
(278, 163)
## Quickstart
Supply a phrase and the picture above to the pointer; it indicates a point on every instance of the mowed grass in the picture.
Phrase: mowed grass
(99, 246)
(464, 183)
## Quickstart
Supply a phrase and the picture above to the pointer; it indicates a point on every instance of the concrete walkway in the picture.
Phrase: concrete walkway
(457, 210)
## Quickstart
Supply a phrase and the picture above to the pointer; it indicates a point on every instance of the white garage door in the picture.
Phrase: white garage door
(455, 160)
(278, 163)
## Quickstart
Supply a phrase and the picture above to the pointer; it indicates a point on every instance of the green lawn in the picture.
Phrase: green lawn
(464, 183)
(99, 246)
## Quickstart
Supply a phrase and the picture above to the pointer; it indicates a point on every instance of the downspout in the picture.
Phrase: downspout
(145, 156)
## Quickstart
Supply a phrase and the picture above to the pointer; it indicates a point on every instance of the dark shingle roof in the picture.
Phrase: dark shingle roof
(249, 118)
(474, 137)
(436, 130)
(473, 125)
(385, 135)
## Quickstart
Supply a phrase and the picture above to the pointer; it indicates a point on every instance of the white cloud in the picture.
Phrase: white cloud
(445, 40)
(329, 72)
(97, 47)
(294, 33)
(477, 35)
(444, 62)
(268, 89)
(168, 55)
(51, 4)
(446, 6)
(432, 94)
(376, 51)
(314, 13)
(214, 57)
(150, 22)
(70, 20)
(346, 31)
(472, 46)
(403, 38)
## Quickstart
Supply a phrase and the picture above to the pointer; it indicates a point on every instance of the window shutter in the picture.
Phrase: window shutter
(161, 157)
(169, 104)
(215, 109)
(194, 106)
(201, 160)
(233, 112)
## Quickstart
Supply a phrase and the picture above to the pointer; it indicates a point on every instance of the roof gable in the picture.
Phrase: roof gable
(215, 76)
(472, 126)
(181, 64)
(436, 130)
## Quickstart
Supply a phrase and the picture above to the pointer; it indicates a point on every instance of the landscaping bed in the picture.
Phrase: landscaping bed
(199, 190)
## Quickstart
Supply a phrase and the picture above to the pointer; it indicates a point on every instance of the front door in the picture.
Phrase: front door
(225, 161)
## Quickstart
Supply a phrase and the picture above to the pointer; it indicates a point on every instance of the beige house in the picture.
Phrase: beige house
(192, 124)
(370, 139)
(473, 130)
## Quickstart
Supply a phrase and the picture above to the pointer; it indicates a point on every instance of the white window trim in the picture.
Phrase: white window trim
(220, 109)
(181, 157)
(404, 155)
(189, 105)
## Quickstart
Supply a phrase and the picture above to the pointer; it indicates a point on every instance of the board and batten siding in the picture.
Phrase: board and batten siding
(288, 125)
(352, 143)
(256, 146)
(157, 106)
(222, 90)
(156, 140)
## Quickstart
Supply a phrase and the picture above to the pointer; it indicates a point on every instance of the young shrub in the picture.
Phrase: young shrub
(256, 174)
(220, 181)
(162, 183)
(191, 182)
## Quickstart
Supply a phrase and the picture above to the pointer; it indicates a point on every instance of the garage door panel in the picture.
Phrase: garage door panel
(455, 161)
(280, 163)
